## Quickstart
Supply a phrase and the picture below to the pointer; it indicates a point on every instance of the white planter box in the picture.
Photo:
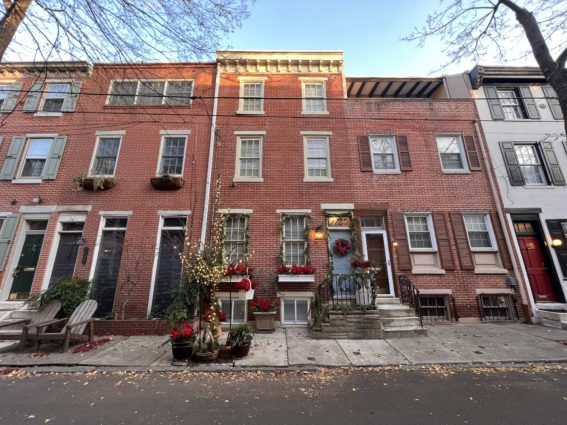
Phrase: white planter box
(296, 278)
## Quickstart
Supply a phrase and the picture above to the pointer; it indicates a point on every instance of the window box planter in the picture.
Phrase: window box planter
(95, 183)
(167, 182)
(296, 278)
(265, 321)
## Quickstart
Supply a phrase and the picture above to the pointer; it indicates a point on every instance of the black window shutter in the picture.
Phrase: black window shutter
(365, 154)
(514, 171)
(553, 102)
(494, 103)
(555, 174)
(556, 232)
(529, 103)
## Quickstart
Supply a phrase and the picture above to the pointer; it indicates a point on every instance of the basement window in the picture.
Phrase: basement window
(435, 307)
(497, 307)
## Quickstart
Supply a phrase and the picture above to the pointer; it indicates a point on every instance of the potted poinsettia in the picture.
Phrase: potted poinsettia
(181, 341)
(264, 313)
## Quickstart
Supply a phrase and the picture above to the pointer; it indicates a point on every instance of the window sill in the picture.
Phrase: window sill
(296, 278)
(48, 114)
(183, 105)
(318, 179)
(248, 180)
(314, 113)
(427, 270)
(456, 171)
(538, 186)
(490, 270)
(27, 181)
(250, 113)
(390, 172)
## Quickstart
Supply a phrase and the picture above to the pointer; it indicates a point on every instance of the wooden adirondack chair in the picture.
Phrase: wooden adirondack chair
(72, 331)
(44, 314)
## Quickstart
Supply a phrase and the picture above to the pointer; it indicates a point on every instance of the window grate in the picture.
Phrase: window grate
(497, 307)
(435, 307)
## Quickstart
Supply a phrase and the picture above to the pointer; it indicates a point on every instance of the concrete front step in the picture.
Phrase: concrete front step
(386, 300)
(400, 321)
(403, 331)
(393, 310)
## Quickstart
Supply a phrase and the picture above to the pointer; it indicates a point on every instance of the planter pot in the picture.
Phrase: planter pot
(296, 278)
(181, 350)
(265, 321)
(171, 183)
(88, 183)
(207, 357)
(240, 351)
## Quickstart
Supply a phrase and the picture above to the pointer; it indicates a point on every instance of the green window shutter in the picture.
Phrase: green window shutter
(529, 103)
(11, 99)
(494, 103)
(553, 102)
(403, 153)
(32, 99)
(553, 168)
(70, 102)
(12, 158)
(514, 171)
(364, 153)
(54, 158)
(472, 154)
(6, 235)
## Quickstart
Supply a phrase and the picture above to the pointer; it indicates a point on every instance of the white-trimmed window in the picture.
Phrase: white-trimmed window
(510, 101)
(295, 310)
(479, 232)
(294, 243)
(420, 232)
(106, 155)
(234, 247)
(530, 164)
(384, 154)
(151, 92)
(35, 157)
(235, 310)
(251, 99)
(314, 97)
(55, 94)
(172, 156)
(249, 158)
(317, 158)
(5, 90)
(452, 153)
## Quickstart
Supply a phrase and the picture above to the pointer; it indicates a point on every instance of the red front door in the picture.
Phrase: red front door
(537, 271)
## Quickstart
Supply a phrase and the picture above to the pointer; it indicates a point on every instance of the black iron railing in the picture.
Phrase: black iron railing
(409, 295)
(349, 290)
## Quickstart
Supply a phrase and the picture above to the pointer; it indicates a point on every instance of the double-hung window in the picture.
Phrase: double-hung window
(151, 92)
(452, 153)
(106, 155)
(420, 232)
(530, 164)
(510, 100)
(35, 157)
(384, 154)
(314, 96)
(294, 243)
(479, 232)
(317, 158)
(249, 158)
(172, 155)
(235, 310)
(55, 94)
(235, 233)
(251, 96)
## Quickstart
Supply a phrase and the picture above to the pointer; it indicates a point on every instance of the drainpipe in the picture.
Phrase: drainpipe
(210, 163)
(504, 226)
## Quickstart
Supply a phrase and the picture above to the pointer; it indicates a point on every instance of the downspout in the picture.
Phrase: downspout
(211, 158)
(504, 226)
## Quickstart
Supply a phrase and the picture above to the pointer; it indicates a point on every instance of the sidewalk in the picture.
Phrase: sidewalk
(292, 348)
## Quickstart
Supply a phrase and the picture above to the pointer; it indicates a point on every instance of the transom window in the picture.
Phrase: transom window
(106, 155)
(54, 97)
(452, 153)
(35, 158)
(172, 155)
(252, 94)
(317, 157)
(530, 164)
(384, 153)
(249, 162)
(295, 311)
(511, 103)
(420, 232)
(314, 97)
(235, 237)
(294, 243)
(479, 231)
(151, 92)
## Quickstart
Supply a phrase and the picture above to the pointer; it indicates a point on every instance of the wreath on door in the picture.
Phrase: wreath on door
(342, 247)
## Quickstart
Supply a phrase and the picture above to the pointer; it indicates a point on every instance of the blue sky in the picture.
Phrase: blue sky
(367, 31)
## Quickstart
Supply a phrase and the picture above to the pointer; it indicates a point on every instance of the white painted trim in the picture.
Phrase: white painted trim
(494, 291)
(26, 180)
(337, 207)
(306, 176)
(37, 209)
(96, 249)
(160, 155)
(91, 165)
(154, 267)
(313, 79)
(173, 213)
(462, 152)
(47, 114)
(251, 80)
(73, 208)
(386, 252)
(435, 292)
(295, 299)
(235, 211)
(175, 132)
(115, 213)
(307, 80)
(490, 270)
(237, 177)
(72, 218)
(41, 135)
(110, 133)
(296, 278)
(427, 270)
(394, 145)
(316, 133)
(489, 228)
(431, 231)
(250, 133)
(296, 294)
(294, 212)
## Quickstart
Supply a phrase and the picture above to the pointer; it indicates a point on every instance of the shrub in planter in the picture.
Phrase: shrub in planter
(240, 338)
(94, 183)
(71, 292)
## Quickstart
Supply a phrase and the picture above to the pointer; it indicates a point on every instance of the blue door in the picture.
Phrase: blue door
(343, 286)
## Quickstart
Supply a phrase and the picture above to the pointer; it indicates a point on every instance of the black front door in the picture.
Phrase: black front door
(168, 272)
(65, 258)
(25, 271)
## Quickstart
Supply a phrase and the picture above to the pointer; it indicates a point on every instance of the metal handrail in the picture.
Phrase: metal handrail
(409, 295)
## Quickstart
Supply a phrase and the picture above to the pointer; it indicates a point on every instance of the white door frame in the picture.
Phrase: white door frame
(386, 251)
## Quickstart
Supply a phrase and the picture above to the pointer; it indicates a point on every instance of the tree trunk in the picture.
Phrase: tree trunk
(14, 14)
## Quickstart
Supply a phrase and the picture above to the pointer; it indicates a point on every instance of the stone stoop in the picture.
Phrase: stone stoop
(398, 320)
(351, 325)
(553, 319)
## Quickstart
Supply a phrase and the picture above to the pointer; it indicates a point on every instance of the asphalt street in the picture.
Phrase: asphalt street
(388, 395)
